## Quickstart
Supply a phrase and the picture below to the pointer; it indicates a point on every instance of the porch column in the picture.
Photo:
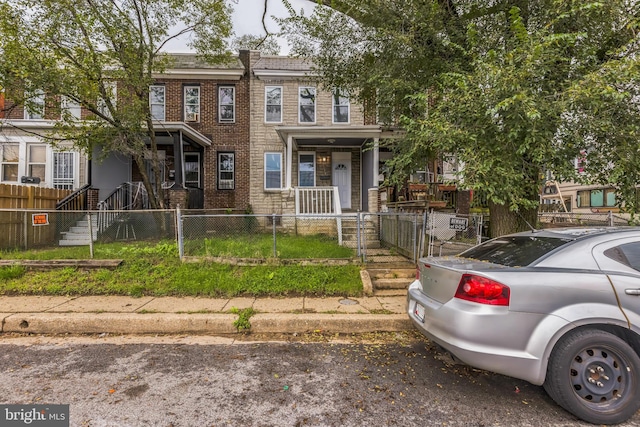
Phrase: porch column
(289, 161)
(376, 162)
(178, 159)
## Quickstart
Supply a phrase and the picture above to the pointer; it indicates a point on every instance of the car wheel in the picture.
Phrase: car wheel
(596, 376)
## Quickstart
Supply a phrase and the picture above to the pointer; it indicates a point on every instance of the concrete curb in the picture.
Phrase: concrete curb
(213, 324)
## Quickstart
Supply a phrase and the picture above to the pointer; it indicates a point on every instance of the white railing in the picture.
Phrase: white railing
(319, 201)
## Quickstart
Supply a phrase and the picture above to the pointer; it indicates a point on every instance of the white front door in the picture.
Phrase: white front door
(341, 177)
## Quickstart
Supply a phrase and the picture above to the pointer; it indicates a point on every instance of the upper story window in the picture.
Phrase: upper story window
(71, 109)
(34, 108)
(10, 159)
(111, 95)
(273, 104)
(227, 104)
(157, 102)
(192, 103)
(340, 107)
(226, 171)
(307, 104)
(272, 171)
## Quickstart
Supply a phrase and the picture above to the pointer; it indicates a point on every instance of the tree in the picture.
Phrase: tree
(268, 45)
(81, 50)
(513, 88)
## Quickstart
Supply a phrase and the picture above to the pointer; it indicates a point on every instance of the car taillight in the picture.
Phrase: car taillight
(482, 290)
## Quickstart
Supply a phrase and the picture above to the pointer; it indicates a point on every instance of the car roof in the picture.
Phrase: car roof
(578, 233)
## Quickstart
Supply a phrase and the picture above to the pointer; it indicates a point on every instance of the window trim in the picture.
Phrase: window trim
(336, 94)
(65, 182)
(315, 167)
(36, 99)
(31, 163)
(279, 154)
(192, 153)
(3, 162)
(266, 105)
(164, 102)
(315, 101)
(220, 171)
(184, 109)
(232, 104)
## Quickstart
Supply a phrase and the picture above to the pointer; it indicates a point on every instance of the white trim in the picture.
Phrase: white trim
(315, 104)
(204, 74)
(282, 74)
(220, 104)
(195, 116)
(266, 88)
(266, 153)
(164, 102)
(315, 167)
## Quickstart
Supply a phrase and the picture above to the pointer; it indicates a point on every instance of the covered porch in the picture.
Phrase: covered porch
(331, 169)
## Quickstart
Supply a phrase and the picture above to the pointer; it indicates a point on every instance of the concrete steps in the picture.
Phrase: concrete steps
(391, 280)
(368, 233)
(78, 235)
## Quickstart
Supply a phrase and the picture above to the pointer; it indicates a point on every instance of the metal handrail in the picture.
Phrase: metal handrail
(75, 201)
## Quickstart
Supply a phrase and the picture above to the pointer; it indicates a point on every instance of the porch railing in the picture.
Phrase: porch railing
(76, 201)
(128, 196)
(317, 201)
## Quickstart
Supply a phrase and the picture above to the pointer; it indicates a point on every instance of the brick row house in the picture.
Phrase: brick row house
(257, 133)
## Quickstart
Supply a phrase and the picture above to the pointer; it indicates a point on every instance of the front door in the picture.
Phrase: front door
(341, 177)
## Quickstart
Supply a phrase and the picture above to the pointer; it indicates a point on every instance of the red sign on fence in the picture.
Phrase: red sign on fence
(40, 219)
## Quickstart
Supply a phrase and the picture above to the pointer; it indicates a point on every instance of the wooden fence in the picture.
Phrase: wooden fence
(18, 226)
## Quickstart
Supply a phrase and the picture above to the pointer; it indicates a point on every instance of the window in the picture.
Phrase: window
(597, 198)
(157, 102)
(34, 109)
(226, 173)
(37, 161)
(192, 169)
(272, 170)
(340, 107)
(111, 90)
(307, 172)
(192, 103)
(514, 251)
(227, 104)
(307, 103)
(10, 158)
(63, 170)
(273, 104)
(627, 254)
(71, 109)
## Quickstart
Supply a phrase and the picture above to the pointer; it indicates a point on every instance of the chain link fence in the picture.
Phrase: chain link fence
(370, 237)
(41, 229)
(256, 238)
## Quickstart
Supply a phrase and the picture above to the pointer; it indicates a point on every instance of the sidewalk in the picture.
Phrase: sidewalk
(211, 316)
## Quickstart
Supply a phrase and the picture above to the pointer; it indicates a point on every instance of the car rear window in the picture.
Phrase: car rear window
(628, 254)
(514, 251)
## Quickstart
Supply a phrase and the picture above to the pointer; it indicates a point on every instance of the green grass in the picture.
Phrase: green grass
(261, 246)
(156, 270)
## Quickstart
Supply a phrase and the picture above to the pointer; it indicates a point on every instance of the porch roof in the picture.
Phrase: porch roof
(330, 136)
(186, 130)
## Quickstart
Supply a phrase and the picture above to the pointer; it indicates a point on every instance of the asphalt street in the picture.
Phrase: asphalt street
(396, 379)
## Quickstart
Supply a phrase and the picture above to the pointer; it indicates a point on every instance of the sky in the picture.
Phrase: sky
(247, 19)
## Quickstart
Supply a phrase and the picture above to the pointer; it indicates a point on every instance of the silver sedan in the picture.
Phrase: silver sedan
(559, 308)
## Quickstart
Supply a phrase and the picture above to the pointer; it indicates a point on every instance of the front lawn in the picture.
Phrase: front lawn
(156, 270)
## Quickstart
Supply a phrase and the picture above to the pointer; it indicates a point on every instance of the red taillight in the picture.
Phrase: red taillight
(482, 290)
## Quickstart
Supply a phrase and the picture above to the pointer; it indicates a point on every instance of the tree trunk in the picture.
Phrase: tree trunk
(504, 221)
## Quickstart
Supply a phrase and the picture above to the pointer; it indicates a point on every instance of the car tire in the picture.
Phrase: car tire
(595, 375)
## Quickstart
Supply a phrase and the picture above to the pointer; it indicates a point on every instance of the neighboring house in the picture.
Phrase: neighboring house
(308, 145)
(25, 158)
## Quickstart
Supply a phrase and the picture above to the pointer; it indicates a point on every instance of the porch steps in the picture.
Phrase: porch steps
(368, 233)
(391, 280)
(78, 235)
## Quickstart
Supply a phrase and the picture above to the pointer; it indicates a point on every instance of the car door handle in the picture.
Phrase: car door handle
(632, 291)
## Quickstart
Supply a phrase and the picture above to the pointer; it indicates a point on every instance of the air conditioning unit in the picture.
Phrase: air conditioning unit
(193, 117)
